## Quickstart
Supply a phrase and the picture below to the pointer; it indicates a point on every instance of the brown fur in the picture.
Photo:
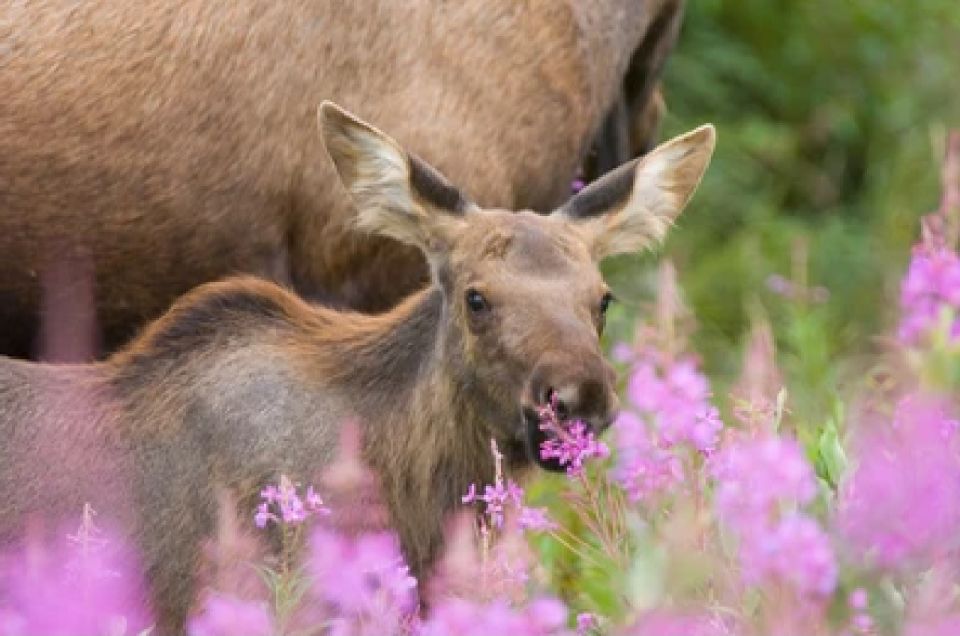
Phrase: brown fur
(174, 141)
(241, 380)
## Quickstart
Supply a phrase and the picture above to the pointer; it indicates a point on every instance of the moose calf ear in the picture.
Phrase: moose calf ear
(395, 193)
(633, 206)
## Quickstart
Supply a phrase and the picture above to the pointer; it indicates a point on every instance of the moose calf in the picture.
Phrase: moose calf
(241, 379)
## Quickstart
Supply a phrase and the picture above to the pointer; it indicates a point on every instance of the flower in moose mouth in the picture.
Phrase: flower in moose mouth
(569, 442)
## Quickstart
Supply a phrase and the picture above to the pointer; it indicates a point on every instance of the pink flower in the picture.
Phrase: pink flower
(902, 502)
(63, 588)
(534, 519)
(287, 506)
(644, 468)
(674, 398)
(225, 616)
(661, 623)
(362, 576)
(541, 617)
(757, 477)
(760, 481)
(930, 288)
(571, 443)
(586, 623)
(794, 551)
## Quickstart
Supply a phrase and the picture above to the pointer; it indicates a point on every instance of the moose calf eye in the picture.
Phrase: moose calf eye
(605, 303)
(475, 301)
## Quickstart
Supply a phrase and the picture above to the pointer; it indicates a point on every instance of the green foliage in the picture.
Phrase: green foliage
(830, 119)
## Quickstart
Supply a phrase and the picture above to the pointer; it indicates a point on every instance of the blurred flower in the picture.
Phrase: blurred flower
(930, 289)
(586, 623)
(795, 551)
(756, 477)
(89, 583)
(674, 398)
(356, 573)
(534, 519)
(902, 502)
(761, 481)
(644, 468)
(227, 616)
(662, 623)
(541, 617)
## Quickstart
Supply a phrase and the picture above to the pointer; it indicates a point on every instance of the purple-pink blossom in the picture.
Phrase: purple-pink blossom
(571, 443)
(540, 617)
(756, 477)
(795, 551)
(228, 616)
(664, 623)
(644, 467)
(282, 504)
(66, 588)
(930, 292)
(901, 504)
(363, 576)
(760, 482)
(675, 398)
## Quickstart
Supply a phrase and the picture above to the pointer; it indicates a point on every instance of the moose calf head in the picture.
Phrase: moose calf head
(524, 301)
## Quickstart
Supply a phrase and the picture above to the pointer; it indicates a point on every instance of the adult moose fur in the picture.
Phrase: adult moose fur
(242, 379)
(161, 144)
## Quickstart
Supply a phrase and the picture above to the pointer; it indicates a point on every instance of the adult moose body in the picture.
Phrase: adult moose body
(241, 379)
(147, 147)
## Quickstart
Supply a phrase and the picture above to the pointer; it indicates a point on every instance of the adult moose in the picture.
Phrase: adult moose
(147, 147)
(242, 379)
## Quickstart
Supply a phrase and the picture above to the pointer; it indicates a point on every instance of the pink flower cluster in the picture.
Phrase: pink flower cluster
(540, 617)
(571, 443)
(675, 398)
(364, 581)
(644, 468)
(503, 494)
(930, 289)
(65, 588)
(228, 616)
(669, 407)
(282, 504)
(901, 505)
(760, 482)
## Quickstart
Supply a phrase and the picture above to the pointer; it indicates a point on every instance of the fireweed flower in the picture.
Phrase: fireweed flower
(756, 477)
(541, 617)
(571, 443)
(759, 484)
(282, 504)
(902, 502)
(226, 616)
(645, 466)
(930, 289)
(661, 623)
(65, 588)
(504, 494)
(795, 551)
(674, 398)
(362, 577)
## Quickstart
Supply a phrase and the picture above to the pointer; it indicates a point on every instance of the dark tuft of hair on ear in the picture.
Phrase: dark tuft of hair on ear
(606, 193)
(432, 188)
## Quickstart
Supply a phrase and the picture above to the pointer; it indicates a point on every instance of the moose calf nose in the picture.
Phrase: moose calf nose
(587, 395)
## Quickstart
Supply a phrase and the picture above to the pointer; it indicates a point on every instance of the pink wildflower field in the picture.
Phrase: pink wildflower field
(702, 512)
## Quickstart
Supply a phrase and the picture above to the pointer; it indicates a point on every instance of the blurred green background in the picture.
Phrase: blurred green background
(831, 119)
